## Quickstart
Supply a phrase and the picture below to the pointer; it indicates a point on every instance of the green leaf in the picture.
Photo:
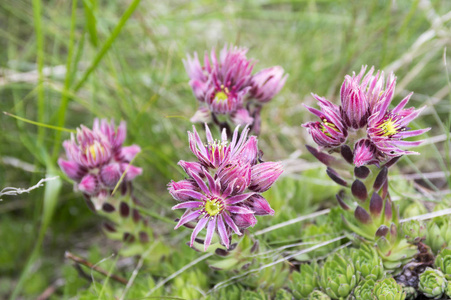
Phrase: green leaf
(90, 7)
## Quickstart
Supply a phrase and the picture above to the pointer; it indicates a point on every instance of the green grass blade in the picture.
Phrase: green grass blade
(40, 63)
(91, 21)
(67, 81)
(40, 124)
(108, 43)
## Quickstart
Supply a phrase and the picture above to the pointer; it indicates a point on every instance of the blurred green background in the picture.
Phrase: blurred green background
(63, 63)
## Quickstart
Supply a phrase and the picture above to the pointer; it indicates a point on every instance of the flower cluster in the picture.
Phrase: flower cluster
(364, 121)
(96, 159)
(222, 192)
(226, 86)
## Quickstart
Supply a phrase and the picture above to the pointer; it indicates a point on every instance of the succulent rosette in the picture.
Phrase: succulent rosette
(413, 210)
(236, 260)
(443, 262)
(225, 85)
(438, 234)
(222, 193)
(388, 289)
(305, 281)
(318, 295)
(448, 290)
(433, 283)
(367, 262)
(96, 159)
(363, 121)
(338, 277)
(364, 290)
(414, 230)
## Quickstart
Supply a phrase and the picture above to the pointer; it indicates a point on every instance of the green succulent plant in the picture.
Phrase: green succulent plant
(432, 283)
(388, 289)
(414, 231)
(411, 292)
(305, 281)
(414, 209)
(318, 295)
(448, 290)
(393, 248)
(443, 262)
(372, 215)
(126, 224)
(367, 262)
(338, 276)
(283, 295)
(319, 234)
(364, 290)
(242, 257)
(258, 295)
(438, 234)
(231, 292)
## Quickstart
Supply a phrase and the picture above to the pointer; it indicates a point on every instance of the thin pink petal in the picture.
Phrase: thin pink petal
(200, 225)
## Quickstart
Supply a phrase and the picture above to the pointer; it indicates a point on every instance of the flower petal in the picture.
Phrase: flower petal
(200, 225)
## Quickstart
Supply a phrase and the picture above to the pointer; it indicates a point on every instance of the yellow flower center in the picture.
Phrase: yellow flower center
(94, 149)
(217, 145)
(213, 207)
(222, 95)
(389, 127)
(329, 124)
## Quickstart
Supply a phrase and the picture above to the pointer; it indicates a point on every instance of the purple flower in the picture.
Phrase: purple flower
(354, 102)
(330, 132)
(387, 128)
(198, 75)
(202, 115)
(224, 85)
(96, 159)
(365, 153)
(222, 191)
(221, 84)
(267, 83)
(364, 117)
(264, 175)
(235, 175)
(213, 207)
(241, 117)
(216, 152)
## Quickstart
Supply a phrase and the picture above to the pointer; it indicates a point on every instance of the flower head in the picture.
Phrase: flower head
(330, 132)
(364, 116)
(365, 153)
(387, 128)
(96, 158)
(213, 207)
(267, 83)
(221, 83)
(354, 101)
(222, 192)
(216, 152)
(224, 85)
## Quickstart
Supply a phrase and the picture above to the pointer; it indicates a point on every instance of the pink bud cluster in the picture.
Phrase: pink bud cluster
(96, 159)
(226, 86)
(222, 191)
(364, 121)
